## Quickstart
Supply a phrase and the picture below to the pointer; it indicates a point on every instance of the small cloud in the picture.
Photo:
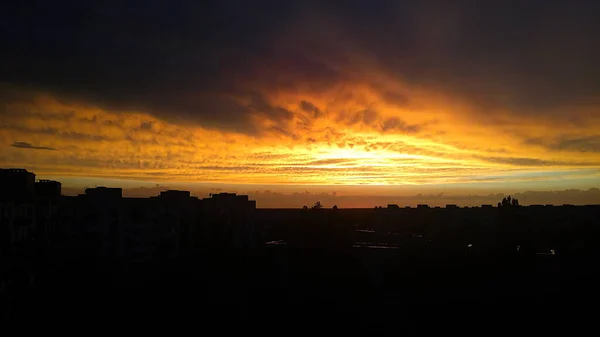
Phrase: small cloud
(310, 108)
(24, 145)
(517, 161)
(396, 98)
(581, 144)
(398, 125)
(532, 161)
(92, 120)
(366, 116)
(146, 126)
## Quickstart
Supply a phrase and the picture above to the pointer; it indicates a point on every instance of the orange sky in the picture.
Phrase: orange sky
(440, 101)
(356, 141)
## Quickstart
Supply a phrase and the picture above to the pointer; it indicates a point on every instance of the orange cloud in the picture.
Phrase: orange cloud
(363, 139)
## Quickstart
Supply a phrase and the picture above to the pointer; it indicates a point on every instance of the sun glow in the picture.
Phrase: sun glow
(343, 145)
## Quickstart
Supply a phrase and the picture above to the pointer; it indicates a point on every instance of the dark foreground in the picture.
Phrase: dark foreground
(401, 271)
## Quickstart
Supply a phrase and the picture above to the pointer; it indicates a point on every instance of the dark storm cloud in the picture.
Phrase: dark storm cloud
(23, 145)
(518, 54)
(178, 61)
(259, 104)
(186, 61)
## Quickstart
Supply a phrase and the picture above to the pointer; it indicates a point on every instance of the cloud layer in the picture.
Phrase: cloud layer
(23, 145)
(359, 93)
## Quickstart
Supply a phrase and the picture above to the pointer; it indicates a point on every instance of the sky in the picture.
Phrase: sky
(355, 102)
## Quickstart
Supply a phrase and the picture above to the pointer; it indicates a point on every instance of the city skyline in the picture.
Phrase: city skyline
(296, 199)
(307, 100)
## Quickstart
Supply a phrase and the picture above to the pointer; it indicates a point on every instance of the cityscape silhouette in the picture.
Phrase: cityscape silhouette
(353, 167)
(82, 255)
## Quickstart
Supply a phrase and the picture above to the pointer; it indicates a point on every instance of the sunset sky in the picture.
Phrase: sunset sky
(355, 102)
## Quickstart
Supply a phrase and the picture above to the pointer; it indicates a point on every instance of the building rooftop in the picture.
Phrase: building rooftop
(101, 191)
(15, 170)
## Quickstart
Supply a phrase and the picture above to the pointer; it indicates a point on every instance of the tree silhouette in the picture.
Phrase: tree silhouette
(304, 207)
(335, 207)
(509, 202)
(317, 205)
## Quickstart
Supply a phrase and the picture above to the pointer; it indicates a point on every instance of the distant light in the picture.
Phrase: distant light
(518, 248)
(470, 245)
(552, 251)
(275, 242)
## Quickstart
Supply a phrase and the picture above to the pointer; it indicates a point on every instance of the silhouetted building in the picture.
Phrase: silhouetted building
(104, 192)
(98, 218)
(17, 210)
(230, 201)
(47, 189)
(180, 227)
(229, 218)
(393, 206)
(143, 234)
(451, 206)
(422, 206)
(47, 207)
(16, 184)
(17, 221)
(175, 194)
